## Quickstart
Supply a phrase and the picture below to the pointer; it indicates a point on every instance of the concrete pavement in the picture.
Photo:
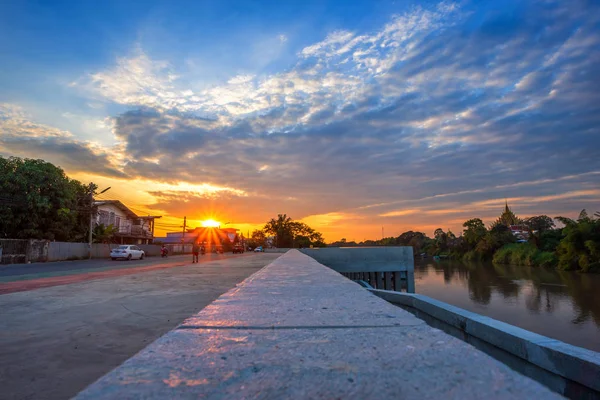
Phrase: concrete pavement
(56, 341)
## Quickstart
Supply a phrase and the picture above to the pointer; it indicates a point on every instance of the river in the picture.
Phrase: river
(558, 304)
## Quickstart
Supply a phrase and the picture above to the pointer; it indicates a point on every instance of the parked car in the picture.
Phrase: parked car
(259, 249)
(238, 248)
(128, 252)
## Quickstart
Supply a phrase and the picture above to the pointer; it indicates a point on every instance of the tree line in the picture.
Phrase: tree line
(283, 232)
(574, 246)
(39, 201)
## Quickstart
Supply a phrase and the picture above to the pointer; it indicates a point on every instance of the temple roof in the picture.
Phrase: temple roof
(507, 217)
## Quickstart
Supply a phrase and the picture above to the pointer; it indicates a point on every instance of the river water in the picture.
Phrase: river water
(558, 304)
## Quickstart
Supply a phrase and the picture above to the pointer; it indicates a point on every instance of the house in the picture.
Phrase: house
(130, 228)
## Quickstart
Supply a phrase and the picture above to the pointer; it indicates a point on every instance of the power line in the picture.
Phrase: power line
(169, 226)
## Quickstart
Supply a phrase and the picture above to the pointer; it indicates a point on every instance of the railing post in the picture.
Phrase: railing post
(410, 281)
(379, 280)
(398, 281)
(388, 280)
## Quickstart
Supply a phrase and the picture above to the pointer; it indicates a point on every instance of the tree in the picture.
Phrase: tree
(540, 223)
(579, 249)
(104, 234)
(281, 228)
(286, 231)
(258, 238)
(414, 239)
(441, 240)
(38, 201)
(493, 240)
(474, 231)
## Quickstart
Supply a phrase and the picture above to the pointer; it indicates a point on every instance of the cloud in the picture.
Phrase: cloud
(436, 112)
(400, 213)
(20, 136)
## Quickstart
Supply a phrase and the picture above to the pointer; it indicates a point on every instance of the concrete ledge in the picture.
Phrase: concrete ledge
(364, 259)
(299, 330)
(277, 250)
(571, 362)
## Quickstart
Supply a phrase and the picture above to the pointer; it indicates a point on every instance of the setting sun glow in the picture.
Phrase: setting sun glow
(211, 223)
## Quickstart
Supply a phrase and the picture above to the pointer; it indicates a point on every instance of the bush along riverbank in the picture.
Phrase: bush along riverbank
(525, 254)
(576, 247)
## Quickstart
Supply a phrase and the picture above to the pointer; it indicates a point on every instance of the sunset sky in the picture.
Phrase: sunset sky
(351, 116)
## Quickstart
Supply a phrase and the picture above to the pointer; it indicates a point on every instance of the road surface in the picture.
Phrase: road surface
(57, 340)
(62, 267)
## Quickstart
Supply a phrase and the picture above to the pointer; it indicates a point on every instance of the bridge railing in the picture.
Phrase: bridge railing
(387, 268)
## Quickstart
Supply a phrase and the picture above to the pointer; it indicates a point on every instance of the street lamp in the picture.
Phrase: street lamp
(92, 217)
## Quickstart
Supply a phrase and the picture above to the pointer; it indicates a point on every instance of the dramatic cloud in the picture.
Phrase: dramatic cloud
(440, 115)
(19, 135)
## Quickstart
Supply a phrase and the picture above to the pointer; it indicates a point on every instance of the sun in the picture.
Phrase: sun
(210, 223)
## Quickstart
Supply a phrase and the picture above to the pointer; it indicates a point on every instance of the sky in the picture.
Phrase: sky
(352, 116)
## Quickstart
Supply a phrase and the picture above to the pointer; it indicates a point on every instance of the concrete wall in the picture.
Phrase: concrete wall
(276, 250)
(180, 248)
(364, 259)
(58, 251)
(21, 251)
(151, 250)
(14, 251)
(573, 363)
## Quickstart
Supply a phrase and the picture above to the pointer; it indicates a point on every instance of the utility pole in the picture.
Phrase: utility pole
(382, 237)
(90, 238)
(184, 226)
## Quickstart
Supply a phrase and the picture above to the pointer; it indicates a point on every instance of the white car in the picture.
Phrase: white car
(127, 252)
(259, 249)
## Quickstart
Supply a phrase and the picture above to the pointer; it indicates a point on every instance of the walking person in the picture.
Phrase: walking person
(195, 251)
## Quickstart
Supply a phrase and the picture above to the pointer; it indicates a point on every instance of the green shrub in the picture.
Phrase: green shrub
(546, 259)
(504, 254)
(524, 254)
(593, 267)
(472, 256)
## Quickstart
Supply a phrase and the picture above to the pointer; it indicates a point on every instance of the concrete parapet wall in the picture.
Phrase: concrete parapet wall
(364, 259)
(299, 330)
(571, 362)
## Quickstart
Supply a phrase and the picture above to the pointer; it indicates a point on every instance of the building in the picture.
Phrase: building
(514, 223)
(209, 237)
(130, 228)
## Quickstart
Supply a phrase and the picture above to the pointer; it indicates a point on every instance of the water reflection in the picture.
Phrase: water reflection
(559, 304)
